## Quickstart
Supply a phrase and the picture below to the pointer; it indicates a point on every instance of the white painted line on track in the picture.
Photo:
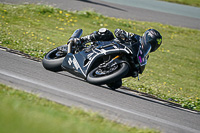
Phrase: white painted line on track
(32, 81)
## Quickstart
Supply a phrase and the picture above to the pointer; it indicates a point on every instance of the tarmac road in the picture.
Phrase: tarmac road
(120, 105)
(143, 10)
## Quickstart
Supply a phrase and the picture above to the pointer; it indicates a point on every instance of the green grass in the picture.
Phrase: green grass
(186, 2)
(172, 71)
(22, 112)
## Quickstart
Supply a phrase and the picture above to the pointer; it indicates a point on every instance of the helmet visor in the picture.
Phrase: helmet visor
(143, 51)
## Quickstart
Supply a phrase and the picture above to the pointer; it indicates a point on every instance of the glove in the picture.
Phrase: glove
(121, 34)
(117, 32)
(75, 41)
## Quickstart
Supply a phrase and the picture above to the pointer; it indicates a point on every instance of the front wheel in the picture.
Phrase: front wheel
(103, 75)
(53, 59)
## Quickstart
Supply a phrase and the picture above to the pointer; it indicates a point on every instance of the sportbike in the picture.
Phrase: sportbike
(98, 63)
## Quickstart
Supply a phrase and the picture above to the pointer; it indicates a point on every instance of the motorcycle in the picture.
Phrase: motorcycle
(104, 63)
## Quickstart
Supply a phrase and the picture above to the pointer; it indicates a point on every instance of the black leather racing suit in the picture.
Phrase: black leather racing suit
(131, 40)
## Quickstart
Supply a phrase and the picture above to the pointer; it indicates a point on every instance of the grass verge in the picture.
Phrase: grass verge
(22, 112)
(172, 72)
(195, 3)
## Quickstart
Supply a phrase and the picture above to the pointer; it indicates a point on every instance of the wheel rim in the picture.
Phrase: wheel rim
(102, 71)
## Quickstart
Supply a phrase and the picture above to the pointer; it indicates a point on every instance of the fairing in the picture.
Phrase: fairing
(82, 62)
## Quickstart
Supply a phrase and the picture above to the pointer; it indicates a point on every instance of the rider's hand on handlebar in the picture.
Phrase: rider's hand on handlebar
(75, 41)
(121, 34)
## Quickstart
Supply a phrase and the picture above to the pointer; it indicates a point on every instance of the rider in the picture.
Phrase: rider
(150, 41)
(151, 36)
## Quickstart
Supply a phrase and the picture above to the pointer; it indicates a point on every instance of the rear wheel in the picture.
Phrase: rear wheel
(107, 75)
(53, 59)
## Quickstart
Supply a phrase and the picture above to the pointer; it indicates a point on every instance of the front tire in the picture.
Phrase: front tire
(119, 73)
(53, 62)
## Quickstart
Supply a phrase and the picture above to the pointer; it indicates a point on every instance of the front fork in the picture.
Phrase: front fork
(69, 47)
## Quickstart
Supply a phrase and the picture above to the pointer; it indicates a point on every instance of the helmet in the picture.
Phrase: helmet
(152, 37)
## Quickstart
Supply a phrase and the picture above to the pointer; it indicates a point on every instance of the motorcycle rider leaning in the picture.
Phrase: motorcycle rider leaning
(151, 36)
(150, 42)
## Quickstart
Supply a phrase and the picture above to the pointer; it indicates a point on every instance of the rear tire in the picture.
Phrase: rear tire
(106, 79)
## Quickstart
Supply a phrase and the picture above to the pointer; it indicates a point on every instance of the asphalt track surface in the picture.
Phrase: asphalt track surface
(142, 10)
(120, 105)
